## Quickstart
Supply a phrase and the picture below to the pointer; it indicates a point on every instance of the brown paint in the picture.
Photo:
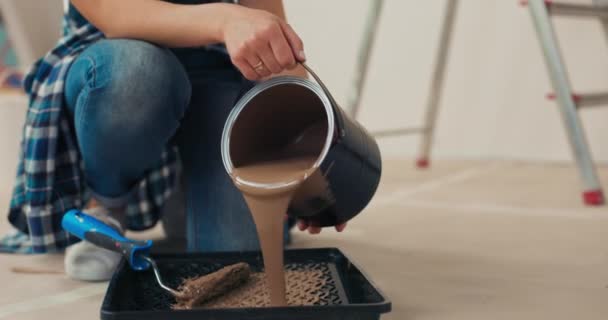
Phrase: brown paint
(268, 208)
(269, 179)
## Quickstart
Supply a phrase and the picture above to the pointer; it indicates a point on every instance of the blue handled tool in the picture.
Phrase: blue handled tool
(100, 234)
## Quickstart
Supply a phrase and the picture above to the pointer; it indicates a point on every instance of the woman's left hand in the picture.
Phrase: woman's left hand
(314, 228)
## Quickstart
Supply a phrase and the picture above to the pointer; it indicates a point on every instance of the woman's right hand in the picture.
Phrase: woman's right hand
(260, 43)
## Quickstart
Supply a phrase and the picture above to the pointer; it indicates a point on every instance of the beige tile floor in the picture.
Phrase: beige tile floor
(465, 240)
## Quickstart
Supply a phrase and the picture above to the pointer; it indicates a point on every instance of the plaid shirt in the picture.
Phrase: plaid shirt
(50, 178)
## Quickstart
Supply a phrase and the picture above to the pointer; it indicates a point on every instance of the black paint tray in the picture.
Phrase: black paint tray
(348, 293)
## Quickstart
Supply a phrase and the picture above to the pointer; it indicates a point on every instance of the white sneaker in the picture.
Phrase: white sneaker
(86, 262)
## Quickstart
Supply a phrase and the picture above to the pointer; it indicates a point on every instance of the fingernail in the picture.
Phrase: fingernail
(301, 226)
(302, 55)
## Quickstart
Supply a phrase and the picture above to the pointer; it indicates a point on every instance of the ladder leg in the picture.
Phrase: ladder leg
(592, 192)
(369, 35)
(436, 87)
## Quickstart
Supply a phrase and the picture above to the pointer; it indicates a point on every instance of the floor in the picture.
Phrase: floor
(464, 240)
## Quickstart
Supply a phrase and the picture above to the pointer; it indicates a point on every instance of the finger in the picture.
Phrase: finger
(260, 69)
(246, 69)
(241, 60)
(340, 227)
(263, 50)
(297, 46)
(282, 51)
(302, 225)
(314, 228)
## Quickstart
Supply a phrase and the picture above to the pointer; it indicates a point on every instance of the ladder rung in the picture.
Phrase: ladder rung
(577, 10)
(397, 132)
(587, 99)
(574, 10)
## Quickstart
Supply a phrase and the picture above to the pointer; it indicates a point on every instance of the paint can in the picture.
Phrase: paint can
(348, 166)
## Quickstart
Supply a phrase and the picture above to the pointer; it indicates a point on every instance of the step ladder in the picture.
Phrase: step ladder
(427, 130)
(568, 101)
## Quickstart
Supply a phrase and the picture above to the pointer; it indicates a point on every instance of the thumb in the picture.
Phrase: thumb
(297, 46)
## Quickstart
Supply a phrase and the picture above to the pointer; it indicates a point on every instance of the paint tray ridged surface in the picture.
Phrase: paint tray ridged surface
(321, 284)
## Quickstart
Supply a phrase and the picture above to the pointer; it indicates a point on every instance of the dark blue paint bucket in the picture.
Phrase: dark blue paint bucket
(348, 163)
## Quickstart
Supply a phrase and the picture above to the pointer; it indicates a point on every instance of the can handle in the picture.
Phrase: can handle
(318, 80)
(333, 102)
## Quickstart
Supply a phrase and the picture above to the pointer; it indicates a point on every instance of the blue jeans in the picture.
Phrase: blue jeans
(130, 98)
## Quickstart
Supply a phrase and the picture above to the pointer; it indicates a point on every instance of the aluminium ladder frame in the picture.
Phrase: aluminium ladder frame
(434, 96)
(567, 101)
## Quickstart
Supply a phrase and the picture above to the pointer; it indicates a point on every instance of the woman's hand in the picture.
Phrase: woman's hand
(260, 43)
(315, 228)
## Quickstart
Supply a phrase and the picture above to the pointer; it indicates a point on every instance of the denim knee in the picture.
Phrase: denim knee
(127, 98)
(140, 81)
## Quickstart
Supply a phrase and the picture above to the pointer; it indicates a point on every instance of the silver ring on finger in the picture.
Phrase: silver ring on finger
(258, 65)
(260, 69)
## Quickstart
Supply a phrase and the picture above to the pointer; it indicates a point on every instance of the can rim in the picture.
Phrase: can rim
(252, 93)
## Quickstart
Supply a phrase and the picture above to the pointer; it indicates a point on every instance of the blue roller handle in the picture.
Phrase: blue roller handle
(100, 234)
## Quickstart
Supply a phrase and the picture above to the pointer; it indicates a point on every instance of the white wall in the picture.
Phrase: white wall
(493, 104)
(33, 25)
